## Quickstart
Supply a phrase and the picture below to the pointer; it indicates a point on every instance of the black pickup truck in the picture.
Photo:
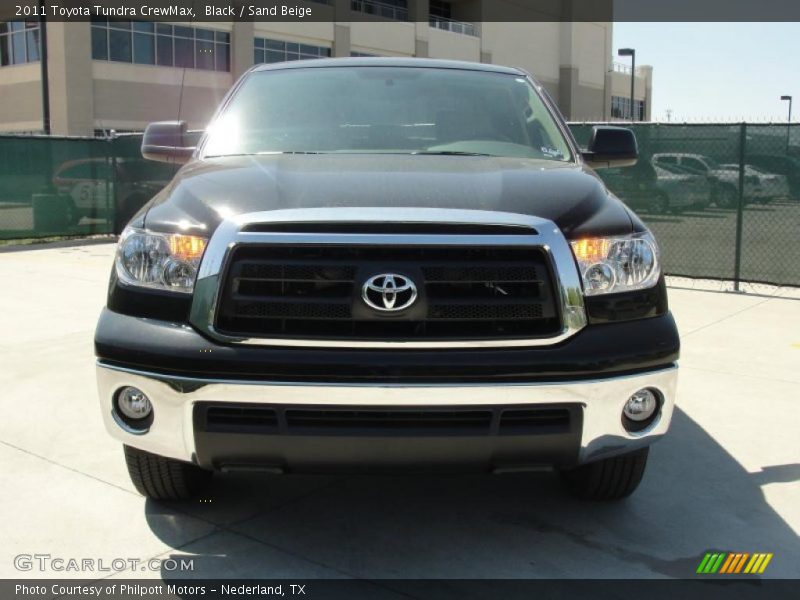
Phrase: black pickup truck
(386, 264)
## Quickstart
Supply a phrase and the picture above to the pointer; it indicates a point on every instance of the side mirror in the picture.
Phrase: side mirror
(166, 141)
(611, 147)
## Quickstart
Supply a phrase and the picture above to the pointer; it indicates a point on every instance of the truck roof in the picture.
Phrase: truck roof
(389, 61)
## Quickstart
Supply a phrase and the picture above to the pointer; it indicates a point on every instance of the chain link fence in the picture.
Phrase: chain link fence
(60, 186)
(722, 199)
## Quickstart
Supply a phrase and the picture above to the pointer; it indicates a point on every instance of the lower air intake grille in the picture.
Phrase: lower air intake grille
(380, 421)
(463, 421)
(225, 417)
(515, 421)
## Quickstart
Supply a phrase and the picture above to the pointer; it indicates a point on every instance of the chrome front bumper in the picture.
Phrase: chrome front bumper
(171, 433)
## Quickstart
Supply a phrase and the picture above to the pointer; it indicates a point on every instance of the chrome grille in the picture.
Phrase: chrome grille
(314, 292)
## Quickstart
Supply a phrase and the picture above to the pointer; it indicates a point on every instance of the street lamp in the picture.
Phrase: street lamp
(43, 73)
(789, 122)
(632, 53)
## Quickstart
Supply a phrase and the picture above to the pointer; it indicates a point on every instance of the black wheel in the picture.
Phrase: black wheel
(163, 478)
(726, 197)
(659, 204)
(73, 215)
(608, 479)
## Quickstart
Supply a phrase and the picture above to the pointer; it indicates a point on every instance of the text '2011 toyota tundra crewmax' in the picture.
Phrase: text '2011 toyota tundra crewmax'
(386, 264)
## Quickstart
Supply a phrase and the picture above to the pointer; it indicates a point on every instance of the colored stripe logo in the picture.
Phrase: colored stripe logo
(734, 562)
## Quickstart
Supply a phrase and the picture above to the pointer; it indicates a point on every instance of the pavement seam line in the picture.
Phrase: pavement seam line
(68, 468)
(280, 548)
(220, 528)
(735, 374)
(252, 539)
(174, 506)
(301, 497)
(224, 528)
(217, 526)
(726, 317)
(294, 554)
(280, 505)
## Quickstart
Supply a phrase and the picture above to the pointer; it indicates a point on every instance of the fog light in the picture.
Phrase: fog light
(133, 403)
(640, 408)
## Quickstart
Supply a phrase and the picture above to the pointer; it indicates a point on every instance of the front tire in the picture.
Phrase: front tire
(726, 197)
(162, 478)
(73, 215)
(608, 479)
(659, 205)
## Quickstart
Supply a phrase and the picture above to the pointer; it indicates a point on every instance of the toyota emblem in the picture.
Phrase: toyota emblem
(389, 292)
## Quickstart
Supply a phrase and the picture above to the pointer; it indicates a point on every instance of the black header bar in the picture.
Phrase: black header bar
(702, 588)
(404, 10)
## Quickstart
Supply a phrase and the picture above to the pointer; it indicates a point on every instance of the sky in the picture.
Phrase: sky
(718, 71)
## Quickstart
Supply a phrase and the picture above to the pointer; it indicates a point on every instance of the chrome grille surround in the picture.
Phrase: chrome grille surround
(540, 233)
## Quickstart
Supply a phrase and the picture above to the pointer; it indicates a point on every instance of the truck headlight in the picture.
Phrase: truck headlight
(617, 264)
(162, 261)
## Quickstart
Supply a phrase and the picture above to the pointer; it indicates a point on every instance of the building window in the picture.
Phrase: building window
(618, 107)
(396, 10)
(147, 43)
(19, 42)
(621, 108)
(440, 8)
(441, 17)
(363, 55)
(272, 51)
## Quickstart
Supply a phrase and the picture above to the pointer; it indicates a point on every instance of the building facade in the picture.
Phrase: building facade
(621, 92)
(120, 75)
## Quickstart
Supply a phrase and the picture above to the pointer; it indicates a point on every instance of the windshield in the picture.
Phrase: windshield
(405, 110)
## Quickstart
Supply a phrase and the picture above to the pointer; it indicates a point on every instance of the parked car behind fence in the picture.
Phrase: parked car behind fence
(658, 190)
(760, 185)
(103, 188)
(788, 166)
(724, 183)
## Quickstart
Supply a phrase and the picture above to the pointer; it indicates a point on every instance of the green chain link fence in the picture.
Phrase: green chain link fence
(722, 199)
(54, 186)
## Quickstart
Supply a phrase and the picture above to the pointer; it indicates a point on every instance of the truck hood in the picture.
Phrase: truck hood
(205, 192)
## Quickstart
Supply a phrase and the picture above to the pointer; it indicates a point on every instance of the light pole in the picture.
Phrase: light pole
(43, 69)
(632, 53)
(789, 122)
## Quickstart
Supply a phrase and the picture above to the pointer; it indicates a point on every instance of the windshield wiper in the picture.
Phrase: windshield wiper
(294, 152)
(419, 152)
(451, 153)
(265, 153)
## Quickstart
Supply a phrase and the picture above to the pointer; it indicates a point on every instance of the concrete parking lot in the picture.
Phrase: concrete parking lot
(726, 478)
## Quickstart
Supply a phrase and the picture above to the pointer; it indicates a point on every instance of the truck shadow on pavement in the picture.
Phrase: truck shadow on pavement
(695, 498)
